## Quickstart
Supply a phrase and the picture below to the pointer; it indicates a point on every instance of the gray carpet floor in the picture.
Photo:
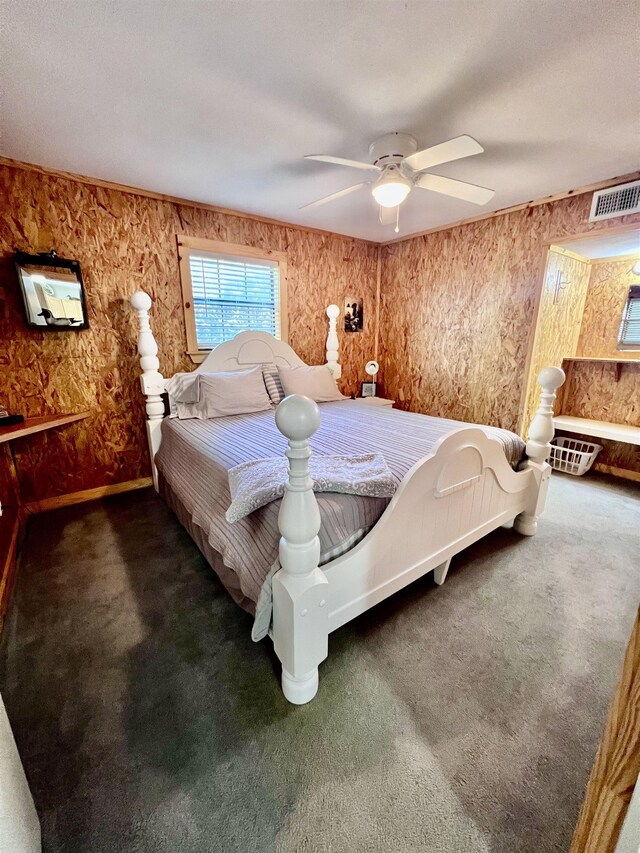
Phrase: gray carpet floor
(461, 718)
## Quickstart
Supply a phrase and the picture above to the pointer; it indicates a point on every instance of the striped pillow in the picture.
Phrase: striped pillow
(273, 383)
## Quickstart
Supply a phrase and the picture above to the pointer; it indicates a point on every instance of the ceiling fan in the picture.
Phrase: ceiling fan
(402, 167)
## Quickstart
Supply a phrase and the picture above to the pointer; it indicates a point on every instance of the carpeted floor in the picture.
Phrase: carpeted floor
(461, 718)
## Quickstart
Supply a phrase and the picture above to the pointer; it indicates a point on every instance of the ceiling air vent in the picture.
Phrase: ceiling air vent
(616, 201)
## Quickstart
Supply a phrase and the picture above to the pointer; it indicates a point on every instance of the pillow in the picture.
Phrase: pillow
(220, 394)
(315, 382)
(273, 383)
(181, 388)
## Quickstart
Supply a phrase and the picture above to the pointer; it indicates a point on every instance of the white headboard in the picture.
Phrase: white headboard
(248, 349)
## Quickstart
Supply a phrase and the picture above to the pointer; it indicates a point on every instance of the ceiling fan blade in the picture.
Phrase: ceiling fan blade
(334, 196)
(387, 215)
(340, 161)
(454, 149)
(457, 189)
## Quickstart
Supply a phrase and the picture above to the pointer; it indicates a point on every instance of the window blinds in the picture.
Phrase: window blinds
(232, 294)
(629, 335)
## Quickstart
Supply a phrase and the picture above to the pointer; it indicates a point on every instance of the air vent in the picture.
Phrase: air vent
(616, 201)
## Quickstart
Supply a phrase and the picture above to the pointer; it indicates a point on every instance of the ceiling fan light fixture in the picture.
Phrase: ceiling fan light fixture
(391, 189)
(401, 167)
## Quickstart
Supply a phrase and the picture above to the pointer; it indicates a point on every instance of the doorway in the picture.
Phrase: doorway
(586, 290)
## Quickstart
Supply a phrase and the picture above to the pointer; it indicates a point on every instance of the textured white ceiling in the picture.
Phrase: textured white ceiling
(219, 101)
(606, 245)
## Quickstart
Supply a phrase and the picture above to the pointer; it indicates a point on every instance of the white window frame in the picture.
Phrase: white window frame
(624, 346)
(186, 245)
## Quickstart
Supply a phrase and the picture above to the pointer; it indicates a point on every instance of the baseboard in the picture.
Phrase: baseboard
(625, 473)
(87, 495)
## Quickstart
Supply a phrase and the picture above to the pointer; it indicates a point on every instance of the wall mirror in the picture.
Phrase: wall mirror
(52, 291)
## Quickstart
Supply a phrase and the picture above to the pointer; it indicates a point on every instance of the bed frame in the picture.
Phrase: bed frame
(463, 490)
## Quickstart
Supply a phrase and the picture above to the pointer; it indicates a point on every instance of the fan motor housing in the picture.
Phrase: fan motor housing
(392, 148)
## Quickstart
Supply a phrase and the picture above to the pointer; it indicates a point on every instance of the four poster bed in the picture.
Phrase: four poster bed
(307, 564)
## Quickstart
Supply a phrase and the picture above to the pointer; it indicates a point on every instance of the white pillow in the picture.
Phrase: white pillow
(220, 394)
(182, 387)
(315, 382)
(272, 381)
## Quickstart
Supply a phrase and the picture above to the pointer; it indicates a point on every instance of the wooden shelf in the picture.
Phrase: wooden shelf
(32, 425)
(598, 429)
(13, 520)
(619, 363)
(634, 360)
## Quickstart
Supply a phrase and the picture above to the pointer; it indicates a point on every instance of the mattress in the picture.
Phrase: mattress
(196, 455)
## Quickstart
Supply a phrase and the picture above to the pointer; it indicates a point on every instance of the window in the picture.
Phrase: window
(228, 289)
(629, 334)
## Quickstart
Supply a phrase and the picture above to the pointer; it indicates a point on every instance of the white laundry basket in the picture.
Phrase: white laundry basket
(572, 455)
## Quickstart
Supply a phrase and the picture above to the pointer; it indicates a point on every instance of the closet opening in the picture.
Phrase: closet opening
(588, 322)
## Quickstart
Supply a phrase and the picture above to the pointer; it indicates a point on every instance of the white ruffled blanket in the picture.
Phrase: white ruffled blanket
(260, 481)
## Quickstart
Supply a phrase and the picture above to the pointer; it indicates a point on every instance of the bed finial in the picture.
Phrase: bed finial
(333, 312)
(539, 448)
(151, 381)
(541, 429)
(300, 588)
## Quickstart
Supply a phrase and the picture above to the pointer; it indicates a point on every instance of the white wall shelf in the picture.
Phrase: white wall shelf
(625, 433)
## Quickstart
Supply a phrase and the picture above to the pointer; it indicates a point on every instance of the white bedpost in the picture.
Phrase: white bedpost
(539, 448)
(333, 312)
(151, 381)
(300, 588)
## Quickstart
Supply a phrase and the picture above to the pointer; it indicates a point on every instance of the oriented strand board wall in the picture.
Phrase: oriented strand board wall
(457, 310)
(592, 392)
(125, 242)
(608, 288)
(559, 319)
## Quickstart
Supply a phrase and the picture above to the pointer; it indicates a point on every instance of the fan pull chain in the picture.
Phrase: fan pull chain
(397, 228)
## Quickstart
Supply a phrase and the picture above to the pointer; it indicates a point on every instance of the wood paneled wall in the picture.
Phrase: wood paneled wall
(457, 310)
(559, 318)
(593, 391)
(124, 242)
(607, 293)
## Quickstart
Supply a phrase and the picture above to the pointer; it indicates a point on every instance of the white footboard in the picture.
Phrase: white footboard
(464, 490)
(448, 500)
